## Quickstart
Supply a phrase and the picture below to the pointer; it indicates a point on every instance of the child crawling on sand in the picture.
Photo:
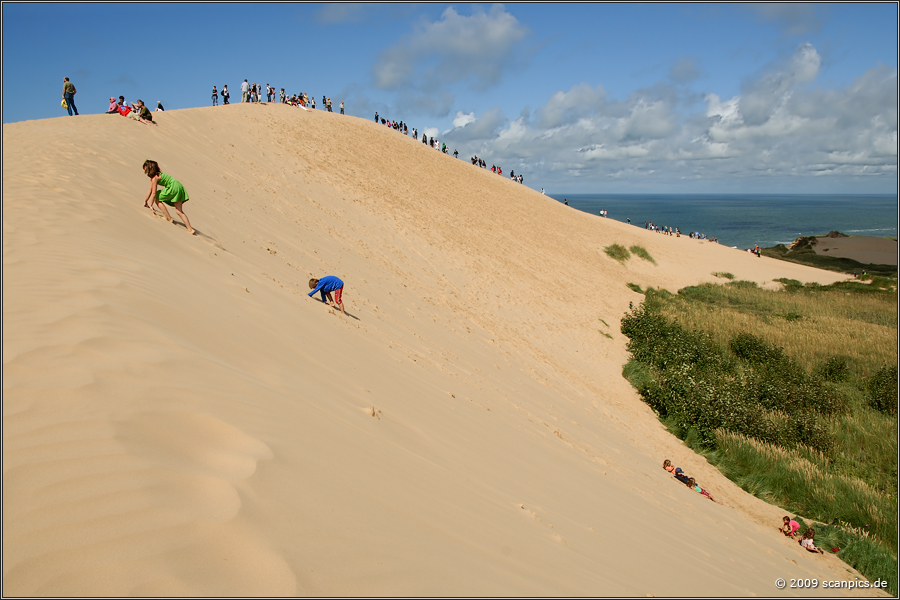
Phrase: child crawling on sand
(325, 286)
(790, 527)
(173, 194)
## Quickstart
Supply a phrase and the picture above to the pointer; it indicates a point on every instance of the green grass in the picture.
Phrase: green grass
(642, 253)
(792, 394)
(723, 275)
(617, 252)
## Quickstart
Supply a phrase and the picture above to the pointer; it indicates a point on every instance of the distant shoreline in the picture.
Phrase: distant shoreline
(863, 249)
(874, 255)
(743, 221)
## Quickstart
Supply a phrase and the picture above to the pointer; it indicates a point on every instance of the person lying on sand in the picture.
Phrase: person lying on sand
(693, 485)
(676, 471)
(807, 541)
(790, 527)
(325, 286)
(173, 194)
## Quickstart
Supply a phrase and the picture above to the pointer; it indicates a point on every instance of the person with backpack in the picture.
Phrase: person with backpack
(225, 94)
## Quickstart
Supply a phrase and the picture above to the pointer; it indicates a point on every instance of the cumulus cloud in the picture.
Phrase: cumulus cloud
(782, 125)
(763, 95)
(474, 49)
(477, 130)
(793, 18)
(567, 107)
(463, 119)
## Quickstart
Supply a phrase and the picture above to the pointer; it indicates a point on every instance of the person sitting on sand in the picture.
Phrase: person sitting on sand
(113, 106)
(790, 527)
(325, 286)
(173, 194)
(140, 113)
(693, 485)
(144, 114)
(807, 541)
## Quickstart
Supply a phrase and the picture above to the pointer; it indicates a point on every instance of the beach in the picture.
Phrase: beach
(863, 249)
(181, 419)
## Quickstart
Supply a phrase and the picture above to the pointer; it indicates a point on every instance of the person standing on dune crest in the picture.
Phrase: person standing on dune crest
(68, 94)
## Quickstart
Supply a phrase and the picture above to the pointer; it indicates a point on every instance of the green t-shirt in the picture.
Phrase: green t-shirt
(68, 88)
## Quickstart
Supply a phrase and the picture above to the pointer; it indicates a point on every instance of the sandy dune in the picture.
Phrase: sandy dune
(179, 418)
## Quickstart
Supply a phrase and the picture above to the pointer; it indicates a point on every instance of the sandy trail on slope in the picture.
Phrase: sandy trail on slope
(181, 419)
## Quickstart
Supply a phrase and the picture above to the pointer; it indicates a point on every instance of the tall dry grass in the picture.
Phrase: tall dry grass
(811, 326)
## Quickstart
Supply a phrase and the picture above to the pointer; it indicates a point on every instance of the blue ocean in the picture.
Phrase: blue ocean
(744, 221)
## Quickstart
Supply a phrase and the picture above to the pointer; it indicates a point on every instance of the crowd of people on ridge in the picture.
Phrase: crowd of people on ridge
(253, 92)
(403, 128)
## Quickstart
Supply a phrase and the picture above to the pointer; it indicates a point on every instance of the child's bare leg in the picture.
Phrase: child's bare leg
(184, 218)
(330, 299)
(342, 308)
(162, 207)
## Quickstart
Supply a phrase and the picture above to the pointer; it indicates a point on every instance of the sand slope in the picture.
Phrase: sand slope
(181, 419)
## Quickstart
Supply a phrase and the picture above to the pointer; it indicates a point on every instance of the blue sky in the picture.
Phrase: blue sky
(593, 98)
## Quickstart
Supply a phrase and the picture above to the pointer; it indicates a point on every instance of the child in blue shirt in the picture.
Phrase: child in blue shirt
(325, 286)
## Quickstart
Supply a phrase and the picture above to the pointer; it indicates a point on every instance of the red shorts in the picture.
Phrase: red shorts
(337, 295)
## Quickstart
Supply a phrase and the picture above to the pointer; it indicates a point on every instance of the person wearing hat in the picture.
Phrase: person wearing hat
(113, 106)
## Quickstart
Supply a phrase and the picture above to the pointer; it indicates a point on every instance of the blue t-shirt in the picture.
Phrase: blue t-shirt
(328, 283)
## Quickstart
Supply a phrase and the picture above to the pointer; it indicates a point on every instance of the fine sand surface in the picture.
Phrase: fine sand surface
(179, 418)
(867, 250)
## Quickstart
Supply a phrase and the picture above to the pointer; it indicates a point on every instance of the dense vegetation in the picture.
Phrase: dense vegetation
(791, 393)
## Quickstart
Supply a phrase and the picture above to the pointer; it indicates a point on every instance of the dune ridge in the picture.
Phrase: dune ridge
(180, 419)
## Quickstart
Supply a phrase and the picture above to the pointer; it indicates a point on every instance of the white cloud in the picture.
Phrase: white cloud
(794, 18)
(661, 135)
(474, 49)
(462, 119)
(566, 107)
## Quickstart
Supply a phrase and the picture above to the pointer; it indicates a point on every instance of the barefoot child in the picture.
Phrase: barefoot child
(693, 485)
(790, 527)
(325, 286)
(173, 193)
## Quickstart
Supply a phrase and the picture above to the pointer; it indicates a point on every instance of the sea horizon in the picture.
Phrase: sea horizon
(747, 220)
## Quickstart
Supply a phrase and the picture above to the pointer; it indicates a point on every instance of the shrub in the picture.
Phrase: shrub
(755, 350)
(641, 252)
(617, 252)
(882, 390)
(789, 284)
(723, 275)
(835, 369)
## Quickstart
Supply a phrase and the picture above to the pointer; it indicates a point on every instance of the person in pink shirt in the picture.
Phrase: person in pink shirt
(790, 527)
